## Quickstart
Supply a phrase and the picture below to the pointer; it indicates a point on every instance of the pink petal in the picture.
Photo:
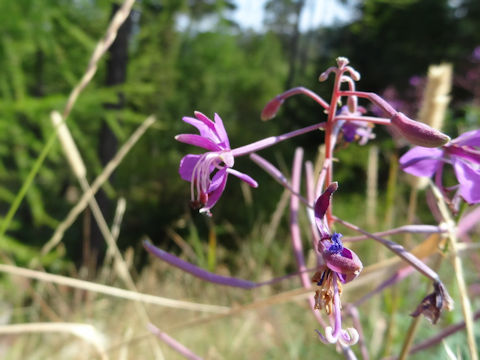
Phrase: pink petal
(199, 141)
(346, 263)
(205, 120)
(216, 187)
(243, 177)
(206, 130)
(469, 180)
(421, 161)
(187, 164)
(321, 206)
(470, 138)
(222, 133)
(465, 152)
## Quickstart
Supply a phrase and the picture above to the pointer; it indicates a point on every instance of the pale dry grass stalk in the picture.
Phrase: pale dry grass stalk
(272, 227)
(86, 332)
(118, 218)
(117, 222)
(458, 268)
(78, 167)
(107, 171)
(102, 46)
(110, 290)
(432, 112)
(436, 95)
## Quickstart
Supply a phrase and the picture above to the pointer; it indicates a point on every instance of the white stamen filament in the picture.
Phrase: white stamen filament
(200, 181)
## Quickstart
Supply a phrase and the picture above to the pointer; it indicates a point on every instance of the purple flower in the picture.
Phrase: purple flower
(463, 153)
(341, 265)
(208, 172)
(355, 129)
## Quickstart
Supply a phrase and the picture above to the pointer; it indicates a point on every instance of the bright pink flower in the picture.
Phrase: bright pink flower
(207, 173)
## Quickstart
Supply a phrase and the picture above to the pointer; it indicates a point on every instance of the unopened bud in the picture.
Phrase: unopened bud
(418, 133)
(271, 109)
(342, 61)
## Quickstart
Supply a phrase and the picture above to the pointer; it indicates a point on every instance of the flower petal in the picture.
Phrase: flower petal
(187, 165)
(321, 206)
(470, 138)
(345, 263)
(222, 133)
(206, 129)
(469, 180)
(243, 177)
(205, 119)
(421, 161)
(216, 188)
(465, 152)
(199, 141)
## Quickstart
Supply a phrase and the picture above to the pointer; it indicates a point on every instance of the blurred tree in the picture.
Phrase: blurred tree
(283, 18)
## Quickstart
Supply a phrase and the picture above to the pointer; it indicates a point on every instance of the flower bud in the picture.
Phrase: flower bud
(271, 109)
(418, 133)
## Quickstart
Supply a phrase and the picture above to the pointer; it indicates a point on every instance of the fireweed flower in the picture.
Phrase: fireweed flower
(355, 130)
(341, 265)
(463, 153)
(207, 173)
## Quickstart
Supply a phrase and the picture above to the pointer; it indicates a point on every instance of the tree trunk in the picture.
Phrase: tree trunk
(108, 144)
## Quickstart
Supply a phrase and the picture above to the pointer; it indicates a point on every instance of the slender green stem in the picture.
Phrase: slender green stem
(26, 184)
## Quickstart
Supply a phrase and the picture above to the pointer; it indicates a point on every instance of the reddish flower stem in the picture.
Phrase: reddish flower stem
(329, 136)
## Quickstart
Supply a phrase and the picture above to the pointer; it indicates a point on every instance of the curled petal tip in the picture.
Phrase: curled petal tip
(270, 110)
(418, 133)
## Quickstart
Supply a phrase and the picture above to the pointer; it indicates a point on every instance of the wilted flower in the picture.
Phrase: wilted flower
(219, 160)
(463, 153)
(341, 265)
